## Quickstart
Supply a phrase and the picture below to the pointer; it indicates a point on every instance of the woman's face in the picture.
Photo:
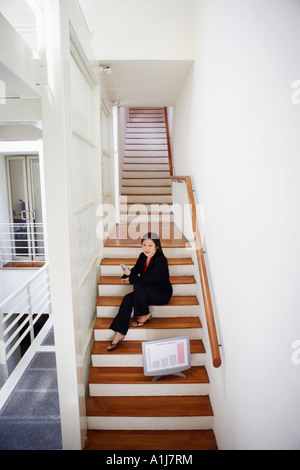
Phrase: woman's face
(149, 248)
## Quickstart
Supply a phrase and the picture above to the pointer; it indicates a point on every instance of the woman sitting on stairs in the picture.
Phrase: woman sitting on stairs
(151, 286)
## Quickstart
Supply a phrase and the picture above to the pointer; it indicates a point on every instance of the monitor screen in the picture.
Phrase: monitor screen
(166, 356)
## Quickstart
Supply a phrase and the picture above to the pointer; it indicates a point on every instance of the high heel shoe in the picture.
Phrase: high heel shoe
(114, 346)
(141, 323)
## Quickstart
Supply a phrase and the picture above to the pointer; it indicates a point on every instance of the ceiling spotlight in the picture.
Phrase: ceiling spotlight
(105, 69)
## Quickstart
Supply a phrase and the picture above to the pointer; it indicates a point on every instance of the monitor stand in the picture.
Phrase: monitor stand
(179, 374)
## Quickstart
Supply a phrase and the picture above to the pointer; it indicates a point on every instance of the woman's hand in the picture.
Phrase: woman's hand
(125, 281)
(126, 271)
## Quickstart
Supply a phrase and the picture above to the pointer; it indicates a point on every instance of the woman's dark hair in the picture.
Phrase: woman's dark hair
(155, 238)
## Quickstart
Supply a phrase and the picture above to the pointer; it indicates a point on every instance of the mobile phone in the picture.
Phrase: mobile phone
(123, 266)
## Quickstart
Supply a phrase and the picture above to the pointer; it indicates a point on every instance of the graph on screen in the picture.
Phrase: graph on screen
(166, 356)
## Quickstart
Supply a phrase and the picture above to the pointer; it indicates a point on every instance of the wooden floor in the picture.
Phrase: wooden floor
(23, 265)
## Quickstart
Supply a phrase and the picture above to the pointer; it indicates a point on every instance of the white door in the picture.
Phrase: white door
(26, 228)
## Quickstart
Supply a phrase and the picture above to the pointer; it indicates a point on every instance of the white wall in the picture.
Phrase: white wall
(12, 279)
(123, 114)
(237, 133)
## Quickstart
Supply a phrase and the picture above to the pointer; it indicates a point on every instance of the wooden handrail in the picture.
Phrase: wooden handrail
(209, 313)
(168, 142)
(210, 321)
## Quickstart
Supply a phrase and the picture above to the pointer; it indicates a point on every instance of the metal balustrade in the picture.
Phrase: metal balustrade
(21, 242)
(19, 314)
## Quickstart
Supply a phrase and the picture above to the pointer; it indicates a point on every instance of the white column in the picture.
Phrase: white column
(71, 171)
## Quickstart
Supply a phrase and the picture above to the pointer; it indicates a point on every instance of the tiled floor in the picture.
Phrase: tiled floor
(30, 418)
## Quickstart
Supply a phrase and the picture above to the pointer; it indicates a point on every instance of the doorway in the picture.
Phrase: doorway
(25, 209)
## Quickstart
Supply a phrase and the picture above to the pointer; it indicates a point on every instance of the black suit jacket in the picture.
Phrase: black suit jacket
(157, 273)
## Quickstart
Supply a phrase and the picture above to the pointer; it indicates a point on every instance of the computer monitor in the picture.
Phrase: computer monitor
(168, 356)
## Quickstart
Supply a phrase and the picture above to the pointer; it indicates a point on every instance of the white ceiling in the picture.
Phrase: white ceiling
(146, 83)
(149, 45)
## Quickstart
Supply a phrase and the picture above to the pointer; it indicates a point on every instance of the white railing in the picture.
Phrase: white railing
(21, 242)
(18, 315)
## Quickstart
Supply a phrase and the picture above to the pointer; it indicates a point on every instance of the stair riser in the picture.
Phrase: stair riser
(146, 153)
(133, 360)
(144, 136)
(137, 208)
(182, 422)
(142, 146)
(144, 109)
(159, 115)
(121, 290)
(151, 389)
(138, 175)
(147, 334)
(147, 190)
(138, 225)
(143, 132)
(180, 270)
(147, 139)
(158, 199)
(146, 182)
(152, 209)
(145, 167)
(151, 160)
(148, 125)
(156, 311)
(145, 113)
(147, 120)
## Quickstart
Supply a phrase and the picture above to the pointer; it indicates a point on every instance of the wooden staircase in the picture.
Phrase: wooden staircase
(146, 176)
(125, 410)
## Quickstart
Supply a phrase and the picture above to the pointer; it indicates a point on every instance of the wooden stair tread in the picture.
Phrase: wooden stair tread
(146, 177)
(116, 280)
(148, 406)
(147, 194)
(149, 440)
(135, 375)
(176, 300)
(135, 347)
(148, 187)
(132, 261)
(156, 323)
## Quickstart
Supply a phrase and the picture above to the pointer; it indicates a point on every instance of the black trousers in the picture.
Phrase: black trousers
(138, 300)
